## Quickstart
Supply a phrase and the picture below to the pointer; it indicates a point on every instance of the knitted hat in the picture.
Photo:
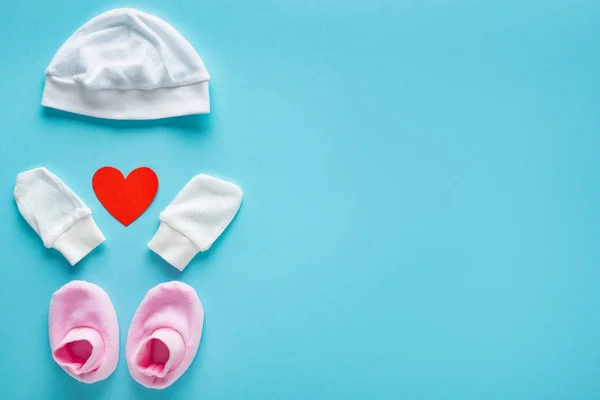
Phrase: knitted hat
(126, 64)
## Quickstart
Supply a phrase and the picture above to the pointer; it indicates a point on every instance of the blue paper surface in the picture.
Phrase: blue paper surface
(421, 215)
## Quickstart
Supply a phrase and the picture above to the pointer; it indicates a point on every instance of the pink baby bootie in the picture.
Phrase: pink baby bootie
(164, 335)
(84, 332)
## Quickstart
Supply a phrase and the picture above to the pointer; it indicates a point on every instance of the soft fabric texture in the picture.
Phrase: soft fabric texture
(195, 219)
(58, 216)
(125, 198)
(84, 332)
(126, 64)
(164, 335)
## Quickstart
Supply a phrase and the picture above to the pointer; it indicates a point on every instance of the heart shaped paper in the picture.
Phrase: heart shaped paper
(125, 198)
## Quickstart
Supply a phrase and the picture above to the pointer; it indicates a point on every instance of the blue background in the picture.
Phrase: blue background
(421, 216)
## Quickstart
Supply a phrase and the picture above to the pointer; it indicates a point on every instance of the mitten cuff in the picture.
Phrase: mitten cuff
(174, 247)
(79, 240)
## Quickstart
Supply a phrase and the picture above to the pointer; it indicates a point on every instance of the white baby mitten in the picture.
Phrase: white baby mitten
(195, 219)
(56, 213)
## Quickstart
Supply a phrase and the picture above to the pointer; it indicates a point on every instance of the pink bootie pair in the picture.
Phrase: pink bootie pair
(162, 341)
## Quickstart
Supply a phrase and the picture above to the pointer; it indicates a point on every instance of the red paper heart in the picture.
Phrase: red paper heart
(125, 198)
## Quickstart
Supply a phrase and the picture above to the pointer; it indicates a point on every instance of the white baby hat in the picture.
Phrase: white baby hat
(126, 64)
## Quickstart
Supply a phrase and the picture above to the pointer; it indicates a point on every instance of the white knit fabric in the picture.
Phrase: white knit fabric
(58, 216)
(126, 64)
(195, 219)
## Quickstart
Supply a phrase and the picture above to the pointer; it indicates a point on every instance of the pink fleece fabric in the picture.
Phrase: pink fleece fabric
(84, 332)
(164, 335)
